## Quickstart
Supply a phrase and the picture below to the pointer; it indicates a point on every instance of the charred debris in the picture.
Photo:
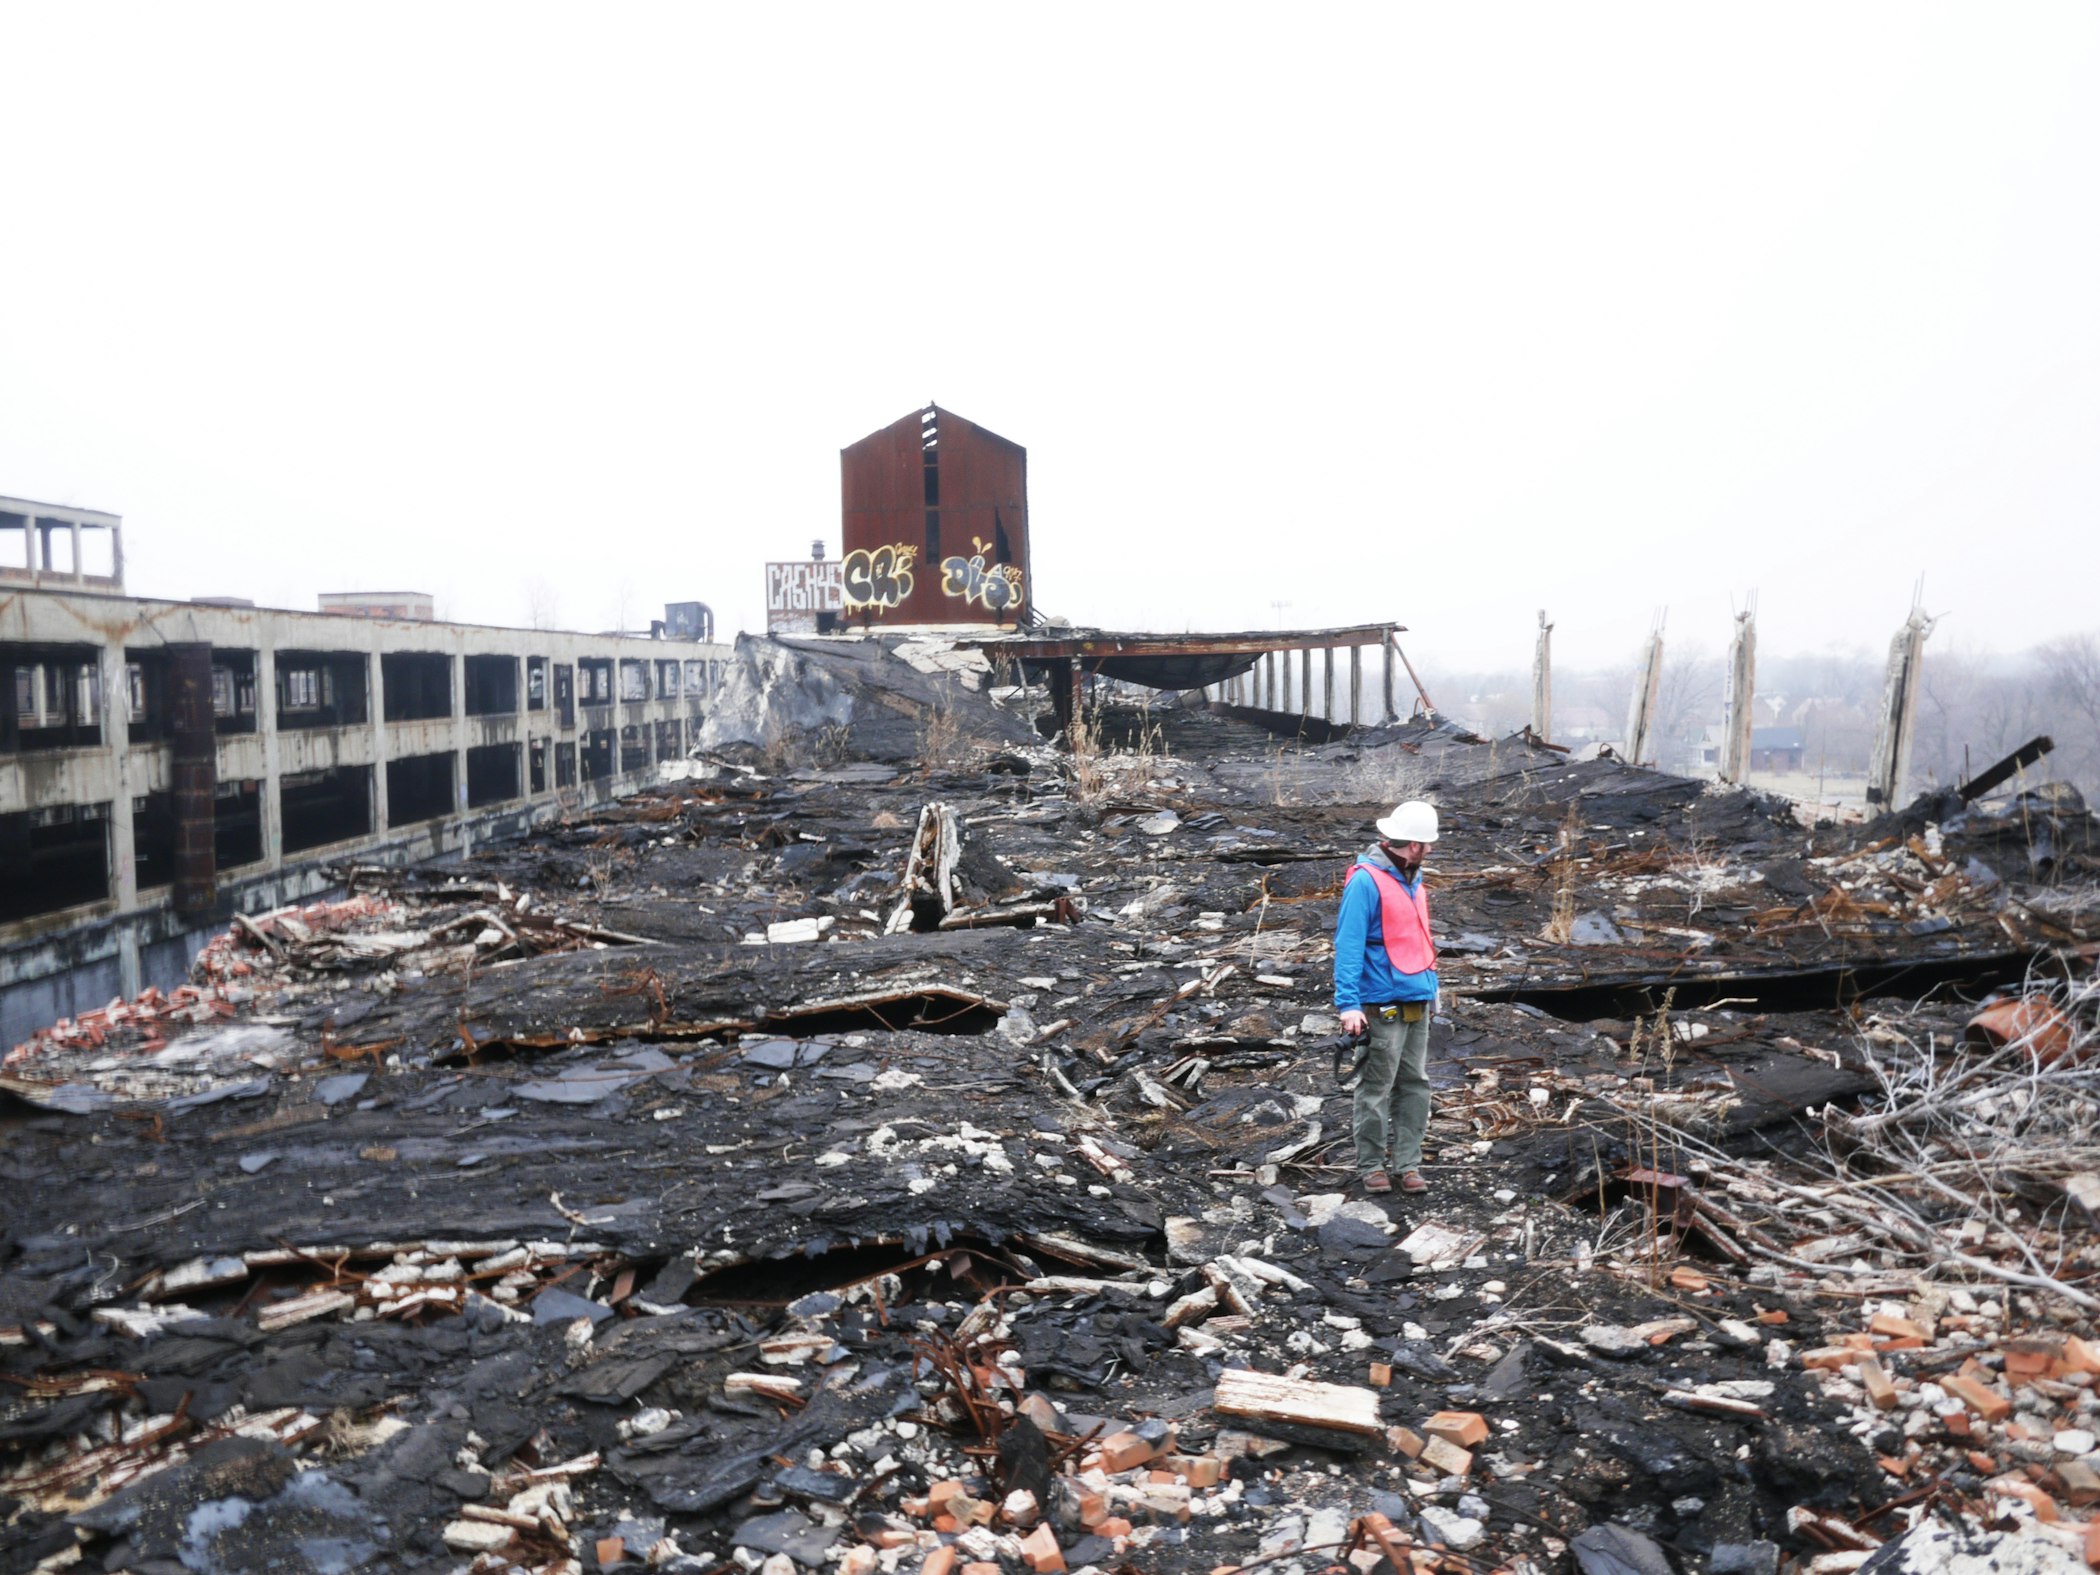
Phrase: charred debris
(904, 1144)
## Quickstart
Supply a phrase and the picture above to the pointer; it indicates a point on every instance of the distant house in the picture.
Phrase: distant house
(1777, 749)
(1582, 724)
(1771, 748)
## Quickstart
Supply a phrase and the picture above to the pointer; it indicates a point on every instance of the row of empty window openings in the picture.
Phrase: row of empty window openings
(60, 857)
(58, 695)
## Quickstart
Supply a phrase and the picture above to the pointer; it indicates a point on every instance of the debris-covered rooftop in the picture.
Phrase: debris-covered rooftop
(904, 1144)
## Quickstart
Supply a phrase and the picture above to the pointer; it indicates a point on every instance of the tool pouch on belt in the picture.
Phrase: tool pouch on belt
(1403, 1011)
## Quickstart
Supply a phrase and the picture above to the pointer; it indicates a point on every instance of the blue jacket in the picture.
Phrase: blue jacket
(1363, 973)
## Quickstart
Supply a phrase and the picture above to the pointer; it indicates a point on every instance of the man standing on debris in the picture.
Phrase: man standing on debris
(1385, 987)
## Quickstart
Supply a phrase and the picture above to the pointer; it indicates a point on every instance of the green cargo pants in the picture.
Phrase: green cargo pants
(1392, 1101)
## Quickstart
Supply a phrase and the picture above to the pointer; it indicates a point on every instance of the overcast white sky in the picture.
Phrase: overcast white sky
(1442, 314)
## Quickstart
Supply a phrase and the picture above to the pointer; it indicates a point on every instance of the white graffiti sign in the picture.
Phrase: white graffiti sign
(804, 587)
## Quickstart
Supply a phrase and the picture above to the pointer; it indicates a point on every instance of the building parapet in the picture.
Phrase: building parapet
(52, 544)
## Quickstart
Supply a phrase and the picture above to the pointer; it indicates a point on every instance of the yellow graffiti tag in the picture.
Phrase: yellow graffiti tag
(881, 578)
(996, 589)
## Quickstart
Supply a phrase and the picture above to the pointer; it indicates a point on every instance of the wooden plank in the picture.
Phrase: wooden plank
(1300, 1402)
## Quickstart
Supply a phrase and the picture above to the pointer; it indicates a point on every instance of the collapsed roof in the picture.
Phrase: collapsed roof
(903, 1143)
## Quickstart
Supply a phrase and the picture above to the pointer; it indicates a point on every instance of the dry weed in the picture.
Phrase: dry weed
(941, 742)
(1099, 770)
(1560, 928)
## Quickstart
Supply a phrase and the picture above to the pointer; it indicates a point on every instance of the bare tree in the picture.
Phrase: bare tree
(2071, 679)
(542, 605)
(1688, 699)
(1948, 687)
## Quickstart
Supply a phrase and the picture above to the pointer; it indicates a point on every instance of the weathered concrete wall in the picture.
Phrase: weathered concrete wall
(53, 962)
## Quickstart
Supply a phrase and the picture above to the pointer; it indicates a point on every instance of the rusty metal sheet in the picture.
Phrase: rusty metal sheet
(982, 574)
(882, 495)
(946, 548)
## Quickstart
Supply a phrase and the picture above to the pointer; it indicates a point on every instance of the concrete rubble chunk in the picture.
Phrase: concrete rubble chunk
(1612, 1340)
(1447, 1527)
(1615, 1548)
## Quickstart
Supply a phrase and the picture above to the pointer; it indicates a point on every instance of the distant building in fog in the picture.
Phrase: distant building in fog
(415, 605)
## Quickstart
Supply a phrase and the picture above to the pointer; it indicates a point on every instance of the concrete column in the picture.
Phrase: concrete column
(1640, 719)
(376, 678)
(1268, 681)
(78, 569)
(1738, 702)
(116, 743)
(34, 540)
(1327, 685)
(459, 725)
(1356, 685)
(1899, 705)
(1542, 682)
(271, 810)
(1392, 713)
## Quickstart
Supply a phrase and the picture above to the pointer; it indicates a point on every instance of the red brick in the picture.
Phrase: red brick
(1986, 1403)
(1041, 1551)
(1463, 1428)
(1124, 1452)
(1881, 1390)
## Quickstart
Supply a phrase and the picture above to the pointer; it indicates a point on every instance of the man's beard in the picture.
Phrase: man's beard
(1401, 864)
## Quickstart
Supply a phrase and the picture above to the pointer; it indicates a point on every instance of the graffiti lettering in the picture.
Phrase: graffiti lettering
(880, 579)
(802, 587)
(996, 589)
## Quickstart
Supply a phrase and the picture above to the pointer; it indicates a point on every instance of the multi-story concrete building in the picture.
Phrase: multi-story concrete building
(165, 763)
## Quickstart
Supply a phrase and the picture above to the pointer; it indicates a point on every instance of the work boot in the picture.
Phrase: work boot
(1413, 1182)
(1378, 1181)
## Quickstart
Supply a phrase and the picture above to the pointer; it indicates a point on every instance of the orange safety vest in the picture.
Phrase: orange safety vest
(1403, 920)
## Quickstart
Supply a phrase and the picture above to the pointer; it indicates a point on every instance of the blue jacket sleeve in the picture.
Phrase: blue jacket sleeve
(1351, 928)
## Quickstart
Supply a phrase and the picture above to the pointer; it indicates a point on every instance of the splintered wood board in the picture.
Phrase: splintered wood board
(1265, 1397)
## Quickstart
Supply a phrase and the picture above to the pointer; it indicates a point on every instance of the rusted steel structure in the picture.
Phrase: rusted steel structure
(935, 525)
(1210, 663)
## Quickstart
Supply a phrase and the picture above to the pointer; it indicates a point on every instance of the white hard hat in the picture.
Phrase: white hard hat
(1413, 821)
